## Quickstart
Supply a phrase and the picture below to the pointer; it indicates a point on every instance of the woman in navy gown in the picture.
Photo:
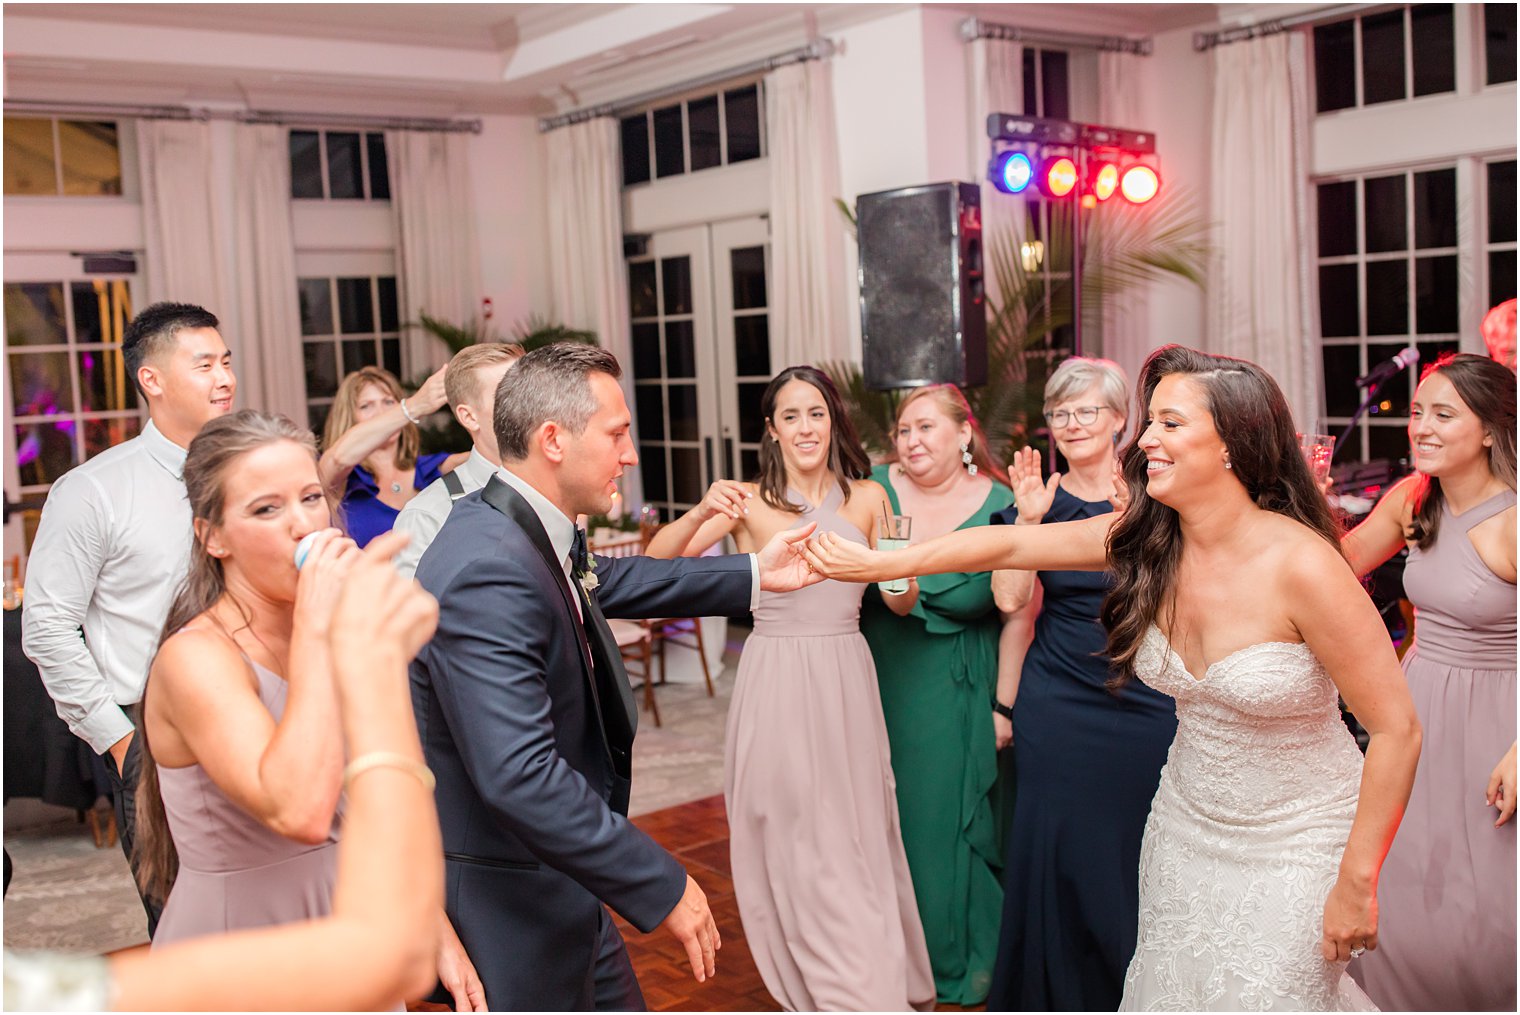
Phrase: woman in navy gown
(1087, 759)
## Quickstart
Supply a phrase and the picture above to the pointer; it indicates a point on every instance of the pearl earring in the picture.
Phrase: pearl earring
(966, 459)
(1227, 464)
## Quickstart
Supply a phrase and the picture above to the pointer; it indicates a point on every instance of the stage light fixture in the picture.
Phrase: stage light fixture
(1011, 172)
(1059, 177)
(1105, 180)
(1139, 183)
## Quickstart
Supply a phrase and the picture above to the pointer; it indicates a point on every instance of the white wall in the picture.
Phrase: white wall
(511, 217)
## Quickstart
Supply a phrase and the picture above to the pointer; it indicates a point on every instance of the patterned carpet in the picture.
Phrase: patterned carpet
(68, 895)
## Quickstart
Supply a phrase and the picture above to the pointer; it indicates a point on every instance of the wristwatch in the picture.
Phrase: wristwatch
(1006, 711)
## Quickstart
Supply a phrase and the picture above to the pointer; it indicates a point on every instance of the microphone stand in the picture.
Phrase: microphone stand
(1373, 387)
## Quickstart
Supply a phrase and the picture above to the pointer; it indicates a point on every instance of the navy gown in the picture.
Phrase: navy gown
(1088, 762)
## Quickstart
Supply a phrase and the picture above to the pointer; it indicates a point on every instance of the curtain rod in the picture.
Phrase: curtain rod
(1203, 41)
(976, 28)
(818, 49)
(274, 116)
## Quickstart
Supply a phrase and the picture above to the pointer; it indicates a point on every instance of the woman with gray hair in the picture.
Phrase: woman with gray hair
(1088, 759)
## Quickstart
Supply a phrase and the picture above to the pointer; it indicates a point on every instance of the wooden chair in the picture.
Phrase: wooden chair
(634, 640)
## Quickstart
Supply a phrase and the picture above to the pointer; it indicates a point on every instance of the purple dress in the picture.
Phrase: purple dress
(1446, 896)
(235, 873)
(364, 514)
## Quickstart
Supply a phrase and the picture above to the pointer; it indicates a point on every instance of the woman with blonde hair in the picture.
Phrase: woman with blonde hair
(371, 442)
(936, 653)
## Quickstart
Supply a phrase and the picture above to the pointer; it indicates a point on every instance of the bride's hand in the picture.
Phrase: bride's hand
(1350, 921)
(846, 561)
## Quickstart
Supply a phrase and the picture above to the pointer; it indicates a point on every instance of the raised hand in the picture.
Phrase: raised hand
(429, 398)
(377, 609)
(783, 566)
(1032, 494)
(692, 924)
(725, 497)
(1119, 499)
(321, 579)
(848, 561)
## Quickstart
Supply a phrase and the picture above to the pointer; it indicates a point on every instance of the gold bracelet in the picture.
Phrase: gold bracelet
(388, 759)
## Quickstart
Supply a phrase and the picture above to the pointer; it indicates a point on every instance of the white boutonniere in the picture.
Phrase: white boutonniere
(588, 577)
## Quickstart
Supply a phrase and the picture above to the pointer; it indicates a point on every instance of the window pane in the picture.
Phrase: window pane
(1435, 295)
(1342, 367)
(316, 418)
(305, 164)
(1031, 77)
(1388, 297)
(34, 314)
(316, 306)
(1430, 352)
(652, 465)
(1383, 57)
(1389, 443)
(1435, 57)
(40, 383)
(91, 157)
(379, 168)
(1498, 42)
(677, 279)
(651, 404)
(684, 425)
(1501, 201)
(345, 172)
(1435, 209)
(1337, 218)
(359, 353)
(752, 345)
(100, 434)
(1338, 297)
(669, 142)
(1395, 390)
(356, 314)
(385, 289)
(751, 420)
(686, 476)
(321, 369)
(748, 266)
(646, 352)
(642, 301)
(749, 464)
(680, 349)
(1334, 66)
(1501, 276)
(702, 130)
(88, 311)
(390, 355)
(30, 167)
(741, 112)
(103, 382)
(1387, 213)
(635, 131)
(44, 451)
(1055, 83)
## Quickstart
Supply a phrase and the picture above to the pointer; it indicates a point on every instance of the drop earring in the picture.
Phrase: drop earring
(966, 459)
(1227, 464)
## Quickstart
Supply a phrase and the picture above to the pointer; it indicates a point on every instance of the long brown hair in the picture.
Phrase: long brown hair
(340, 419)
(211, 454)
(1145, 546)
(847, 458)
(955, 407)
(1488, 388)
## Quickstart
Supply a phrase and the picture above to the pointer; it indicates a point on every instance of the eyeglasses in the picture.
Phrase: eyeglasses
(1086, 415)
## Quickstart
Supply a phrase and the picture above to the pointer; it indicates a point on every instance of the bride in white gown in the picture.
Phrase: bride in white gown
(1259, 866)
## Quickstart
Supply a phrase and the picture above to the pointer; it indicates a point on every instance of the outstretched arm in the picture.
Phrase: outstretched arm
(1381, 533)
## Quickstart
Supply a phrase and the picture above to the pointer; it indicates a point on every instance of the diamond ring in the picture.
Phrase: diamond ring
(1356, 952)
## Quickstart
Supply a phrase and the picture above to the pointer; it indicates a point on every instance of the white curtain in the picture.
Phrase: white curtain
(271, 376)
(183, 254)
(997, 86)
(437, 258)
(588, 280)
(1259, 297)
(1125, 318)
(807, 284)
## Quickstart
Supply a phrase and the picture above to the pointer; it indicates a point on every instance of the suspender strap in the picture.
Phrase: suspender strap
(453, 484)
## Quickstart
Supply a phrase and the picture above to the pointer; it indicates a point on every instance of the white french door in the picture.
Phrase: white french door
(701, 357)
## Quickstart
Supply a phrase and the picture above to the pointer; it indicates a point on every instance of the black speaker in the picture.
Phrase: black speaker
(923, 315)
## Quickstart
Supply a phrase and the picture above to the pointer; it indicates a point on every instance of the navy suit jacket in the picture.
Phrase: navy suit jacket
(531, 744)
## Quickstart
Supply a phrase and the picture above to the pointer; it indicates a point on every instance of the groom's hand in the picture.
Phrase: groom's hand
(691, 922)
(783, 568)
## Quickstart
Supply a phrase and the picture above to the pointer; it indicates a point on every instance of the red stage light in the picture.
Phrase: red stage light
(1139, 184)
(1105, 180)
(1060, 177)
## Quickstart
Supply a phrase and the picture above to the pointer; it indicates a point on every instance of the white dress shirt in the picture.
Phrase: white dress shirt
(424, 514)
(561, 533)
(111, 551)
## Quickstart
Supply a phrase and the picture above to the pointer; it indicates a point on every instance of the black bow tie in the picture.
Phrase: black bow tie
(578, 555)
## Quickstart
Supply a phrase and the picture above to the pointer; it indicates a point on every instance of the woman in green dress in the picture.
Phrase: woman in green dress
(936, 653)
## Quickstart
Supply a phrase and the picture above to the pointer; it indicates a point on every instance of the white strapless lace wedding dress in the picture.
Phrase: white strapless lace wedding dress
(1244, 837)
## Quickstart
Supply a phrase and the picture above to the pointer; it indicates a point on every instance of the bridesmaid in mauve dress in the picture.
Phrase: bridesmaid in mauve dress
(819, 869)
(1446, 896)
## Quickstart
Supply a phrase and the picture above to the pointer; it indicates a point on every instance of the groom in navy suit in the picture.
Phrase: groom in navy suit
(525, 710)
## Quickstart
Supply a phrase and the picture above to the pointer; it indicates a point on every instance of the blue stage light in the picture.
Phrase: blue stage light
(1011, 172)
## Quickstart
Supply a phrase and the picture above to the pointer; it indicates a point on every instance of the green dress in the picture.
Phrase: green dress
(937, 668)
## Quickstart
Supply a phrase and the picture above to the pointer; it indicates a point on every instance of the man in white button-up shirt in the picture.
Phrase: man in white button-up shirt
(114, 544)
(470, 383)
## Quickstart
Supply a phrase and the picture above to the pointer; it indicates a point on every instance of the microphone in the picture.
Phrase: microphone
(1405, 359)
